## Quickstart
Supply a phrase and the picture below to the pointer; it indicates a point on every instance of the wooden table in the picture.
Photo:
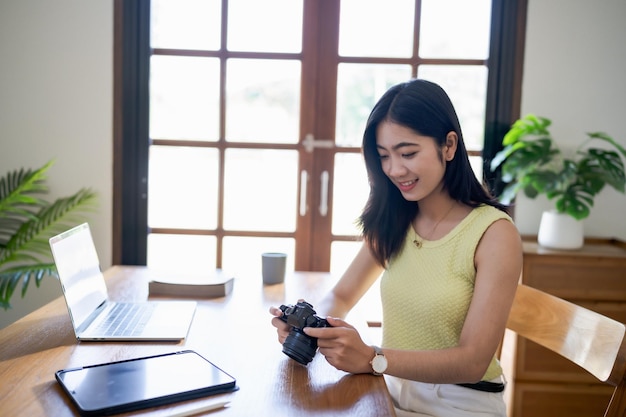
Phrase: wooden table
(234, 332)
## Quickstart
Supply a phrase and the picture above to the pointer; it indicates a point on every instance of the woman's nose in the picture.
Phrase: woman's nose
(396, 167)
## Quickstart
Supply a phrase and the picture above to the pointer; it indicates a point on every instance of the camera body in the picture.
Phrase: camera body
(299, 346)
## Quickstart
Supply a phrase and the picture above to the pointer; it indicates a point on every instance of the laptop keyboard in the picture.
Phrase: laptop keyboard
(126, 319)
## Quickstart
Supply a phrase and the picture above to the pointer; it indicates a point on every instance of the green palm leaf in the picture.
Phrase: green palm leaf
(26, 224)
(18, 190)
(10, 278)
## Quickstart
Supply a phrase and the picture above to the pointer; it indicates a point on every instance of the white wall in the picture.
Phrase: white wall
(574, 74)
(56, 98)
(56, 88)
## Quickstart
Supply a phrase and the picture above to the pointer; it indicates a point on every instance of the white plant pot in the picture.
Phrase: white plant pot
(560, 231)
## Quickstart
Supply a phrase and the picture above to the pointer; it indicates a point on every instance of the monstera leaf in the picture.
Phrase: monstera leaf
(531, 163)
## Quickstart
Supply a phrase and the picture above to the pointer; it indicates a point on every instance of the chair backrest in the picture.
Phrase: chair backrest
(590, 340)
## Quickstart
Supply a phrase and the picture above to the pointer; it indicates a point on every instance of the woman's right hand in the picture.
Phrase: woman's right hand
(282, 328)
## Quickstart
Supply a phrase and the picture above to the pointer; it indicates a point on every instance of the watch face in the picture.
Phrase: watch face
(379, 364)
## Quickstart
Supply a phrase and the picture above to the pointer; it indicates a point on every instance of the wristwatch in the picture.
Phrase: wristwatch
(379, 362)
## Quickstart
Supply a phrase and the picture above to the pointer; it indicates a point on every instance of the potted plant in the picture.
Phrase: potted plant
(27, 222)
(530, 162)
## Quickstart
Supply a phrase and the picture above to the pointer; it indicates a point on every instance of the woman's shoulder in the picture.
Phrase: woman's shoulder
(501, 239)
(494, 228)
(482, 218)
(490, 212)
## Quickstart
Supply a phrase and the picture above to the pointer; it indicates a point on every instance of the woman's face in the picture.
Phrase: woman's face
(414, 163)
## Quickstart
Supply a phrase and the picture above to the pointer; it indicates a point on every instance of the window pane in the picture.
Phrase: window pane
(182, 253)
(359, 86)
(374, 28)
(184, 98)
(262, 101)
(185, 24)
(455, 29)
(341, 255)
(265, 26)
(477, 165)
(260, 190)
(183, 187)
(350, 191)
(467, 88)
(242, 255)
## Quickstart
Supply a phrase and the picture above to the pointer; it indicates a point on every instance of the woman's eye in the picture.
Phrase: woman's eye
(383, 156)
(408, 155)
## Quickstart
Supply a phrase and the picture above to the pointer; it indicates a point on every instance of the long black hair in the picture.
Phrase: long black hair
(425, 108)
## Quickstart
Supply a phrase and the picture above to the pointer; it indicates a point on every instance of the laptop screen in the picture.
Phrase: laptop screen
(79, 271)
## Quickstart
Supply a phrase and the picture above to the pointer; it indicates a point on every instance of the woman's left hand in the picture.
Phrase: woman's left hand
(342, 346)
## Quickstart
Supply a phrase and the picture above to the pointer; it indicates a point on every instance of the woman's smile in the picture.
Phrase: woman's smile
(406, 186)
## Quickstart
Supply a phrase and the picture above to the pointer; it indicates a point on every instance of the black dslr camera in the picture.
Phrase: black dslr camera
(299, 346)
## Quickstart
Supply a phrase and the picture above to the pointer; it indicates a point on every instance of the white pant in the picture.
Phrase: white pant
(418, 399)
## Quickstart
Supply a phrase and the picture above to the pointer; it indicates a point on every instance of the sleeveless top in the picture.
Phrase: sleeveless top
(426, 291)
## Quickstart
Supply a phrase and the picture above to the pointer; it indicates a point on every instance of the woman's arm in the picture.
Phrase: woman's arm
(498, 261)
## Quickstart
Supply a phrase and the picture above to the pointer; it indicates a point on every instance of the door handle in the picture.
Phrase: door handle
(324, 193)
(304, 179)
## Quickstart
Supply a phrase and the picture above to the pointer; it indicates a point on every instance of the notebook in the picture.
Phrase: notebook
(94, 316)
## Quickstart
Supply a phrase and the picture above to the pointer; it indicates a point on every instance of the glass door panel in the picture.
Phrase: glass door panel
(373, 28)
(182, 253)
(477, 166)
(262, 100)
(265, 26)
(465, 33)
(199, 18)
(341, 254)
(359, 86)
(242, 255)
(183, 187)
(467, 87)
(184, 98)
(260, 190)
(350, 191)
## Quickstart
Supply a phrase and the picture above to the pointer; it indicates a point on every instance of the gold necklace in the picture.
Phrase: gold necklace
(418, 243)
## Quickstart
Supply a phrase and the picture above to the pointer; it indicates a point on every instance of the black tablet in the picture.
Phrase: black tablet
(116, 387)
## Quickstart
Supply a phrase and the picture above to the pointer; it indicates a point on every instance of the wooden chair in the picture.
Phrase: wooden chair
(590, 340)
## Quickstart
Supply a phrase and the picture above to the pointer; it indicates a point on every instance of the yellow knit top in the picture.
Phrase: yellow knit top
(426, 291)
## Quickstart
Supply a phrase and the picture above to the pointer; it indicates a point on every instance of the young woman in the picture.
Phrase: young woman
(450, 259)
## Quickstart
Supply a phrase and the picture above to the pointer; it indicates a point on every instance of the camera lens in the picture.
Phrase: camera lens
(300, 347)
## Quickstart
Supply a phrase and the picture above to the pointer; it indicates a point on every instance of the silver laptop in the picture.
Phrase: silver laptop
(93, 315)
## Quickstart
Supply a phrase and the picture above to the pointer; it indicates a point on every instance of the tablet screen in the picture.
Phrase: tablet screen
(143, 382)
